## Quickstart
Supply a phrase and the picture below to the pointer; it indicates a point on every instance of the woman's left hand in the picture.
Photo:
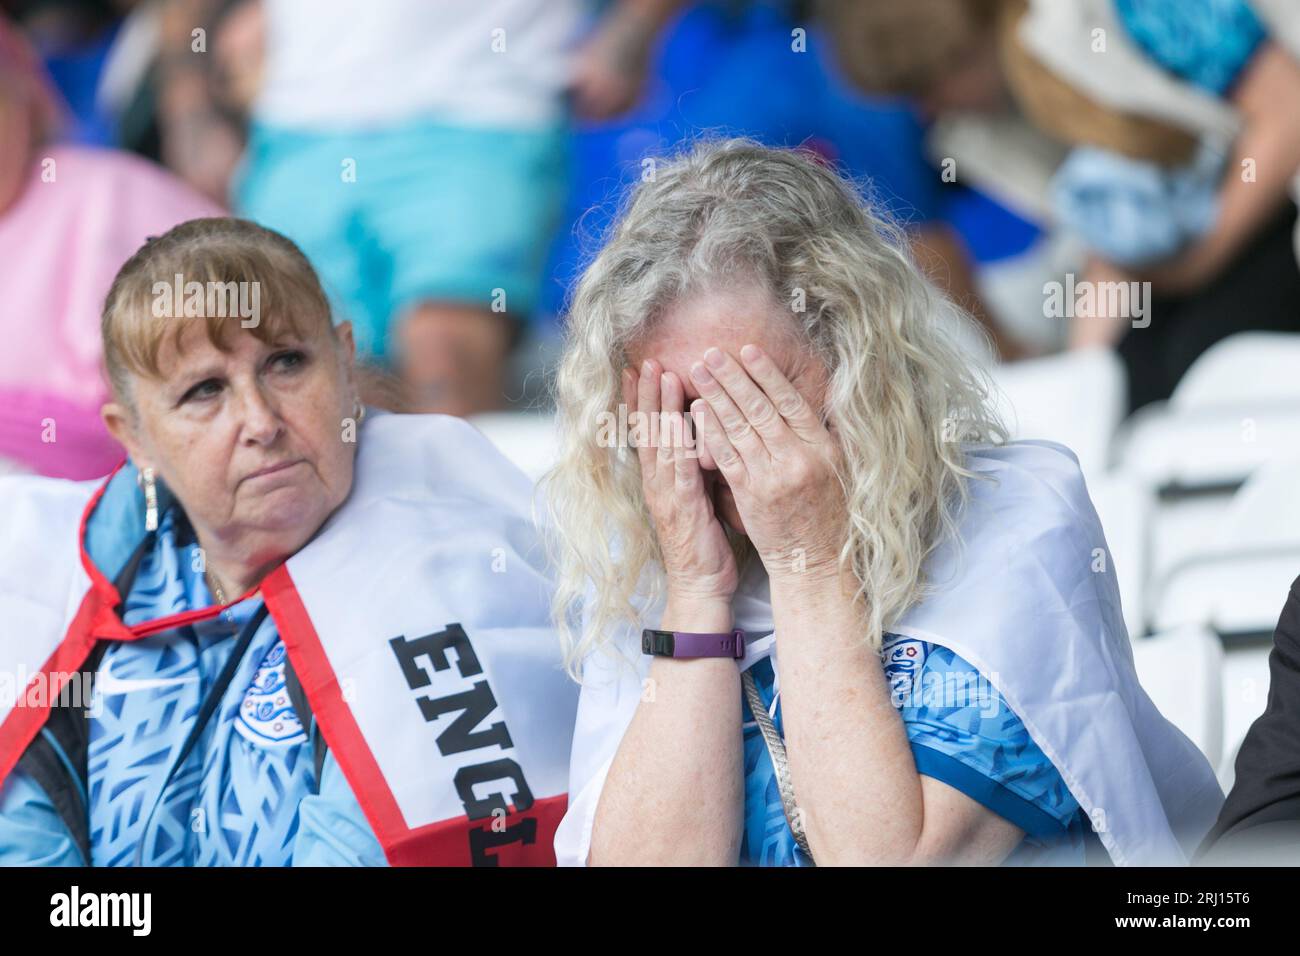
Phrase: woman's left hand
(777, 456)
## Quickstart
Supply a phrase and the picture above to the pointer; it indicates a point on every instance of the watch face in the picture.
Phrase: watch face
(658, 643)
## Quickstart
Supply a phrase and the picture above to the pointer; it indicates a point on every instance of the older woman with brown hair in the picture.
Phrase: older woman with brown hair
(236, 644)
(821, 611)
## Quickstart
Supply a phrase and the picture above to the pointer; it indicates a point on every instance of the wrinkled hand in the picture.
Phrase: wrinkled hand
(777, 456)
(697, 558)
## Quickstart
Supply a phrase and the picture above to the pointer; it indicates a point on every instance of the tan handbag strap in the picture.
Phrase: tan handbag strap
(776, 749)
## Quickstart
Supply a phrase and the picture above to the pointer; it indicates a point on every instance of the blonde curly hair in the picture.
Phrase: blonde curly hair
(902, 398)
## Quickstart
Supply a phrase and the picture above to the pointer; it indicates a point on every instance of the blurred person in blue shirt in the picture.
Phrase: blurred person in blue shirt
(766, 70)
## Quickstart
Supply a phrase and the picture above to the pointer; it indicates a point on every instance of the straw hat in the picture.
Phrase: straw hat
(906, 46)
(1061, 111)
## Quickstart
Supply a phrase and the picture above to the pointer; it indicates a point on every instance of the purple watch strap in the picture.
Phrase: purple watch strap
(682, 644)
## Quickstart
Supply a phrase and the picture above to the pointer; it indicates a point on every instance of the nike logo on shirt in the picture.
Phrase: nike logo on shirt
(107, 683)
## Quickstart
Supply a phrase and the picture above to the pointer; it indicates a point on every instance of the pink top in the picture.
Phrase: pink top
(61, 244)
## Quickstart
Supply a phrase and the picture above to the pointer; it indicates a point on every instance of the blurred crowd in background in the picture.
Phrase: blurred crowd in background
(447, 165)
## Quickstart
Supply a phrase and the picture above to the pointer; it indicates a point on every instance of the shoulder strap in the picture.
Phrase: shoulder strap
(46, 766)
(776, 749)
(302, 707)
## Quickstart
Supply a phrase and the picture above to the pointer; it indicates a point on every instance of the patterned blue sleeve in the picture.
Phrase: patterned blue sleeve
(963, 733)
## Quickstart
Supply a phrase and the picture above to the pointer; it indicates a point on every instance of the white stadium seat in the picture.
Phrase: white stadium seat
(1236, 411)
(526, 438)
(1245, 694)
(1238, 582)
(1124, 506)
(1076, 398)
(1237, 407)
(1168, 447)
(1180, 670)
(1245, 368)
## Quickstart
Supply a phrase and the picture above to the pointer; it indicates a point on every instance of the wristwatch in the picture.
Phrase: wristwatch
(685, 644)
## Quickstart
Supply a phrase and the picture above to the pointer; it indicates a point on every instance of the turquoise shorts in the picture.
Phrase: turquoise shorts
(420, 212)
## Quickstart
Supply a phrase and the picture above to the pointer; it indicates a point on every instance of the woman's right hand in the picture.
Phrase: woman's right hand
(698, 561)
(674, 794)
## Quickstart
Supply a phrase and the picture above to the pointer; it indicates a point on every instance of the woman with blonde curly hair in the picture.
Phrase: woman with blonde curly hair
(772, 452)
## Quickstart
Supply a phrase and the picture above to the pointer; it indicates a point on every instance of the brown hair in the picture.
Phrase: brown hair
(217, 250)
(904, 46)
